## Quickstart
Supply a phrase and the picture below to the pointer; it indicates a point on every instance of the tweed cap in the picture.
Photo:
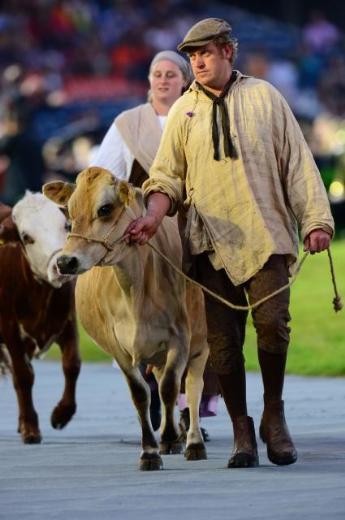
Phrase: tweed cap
(204, 32)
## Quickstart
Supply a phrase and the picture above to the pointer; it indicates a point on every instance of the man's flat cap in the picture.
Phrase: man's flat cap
(204, 32)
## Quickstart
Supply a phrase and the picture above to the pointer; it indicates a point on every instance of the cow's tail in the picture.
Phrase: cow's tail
(5, 361)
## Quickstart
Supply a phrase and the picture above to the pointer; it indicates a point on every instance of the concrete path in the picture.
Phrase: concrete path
(88, 471)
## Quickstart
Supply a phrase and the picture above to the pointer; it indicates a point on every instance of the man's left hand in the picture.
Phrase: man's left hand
(318, 240)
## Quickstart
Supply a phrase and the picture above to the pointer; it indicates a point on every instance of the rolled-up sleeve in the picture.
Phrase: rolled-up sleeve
(167, 173)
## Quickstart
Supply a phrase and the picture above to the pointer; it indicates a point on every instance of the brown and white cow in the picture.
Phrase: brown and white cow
(133, 304)
(37, 305)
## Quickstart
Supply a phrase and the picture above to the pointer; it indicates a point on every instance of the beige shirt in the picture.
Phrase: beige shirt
(250, 207)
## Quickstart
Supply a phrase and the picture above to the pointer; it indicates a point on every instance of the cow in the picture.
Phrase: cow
(37, 306)
(133, 304)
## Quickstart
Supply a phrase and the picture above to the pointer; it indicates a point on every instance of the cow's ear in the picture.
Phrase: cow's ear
(59, 192)
(125, 192)
(8, 231)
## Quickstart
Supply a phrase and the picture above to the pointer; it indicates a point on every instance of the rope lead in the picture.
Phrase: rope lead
(337, 303)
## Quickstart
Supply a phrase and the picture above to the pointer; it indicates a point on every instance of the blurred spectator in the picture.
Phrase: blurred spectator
(332, 86)
(162, 35)
(319, 34)
(256, 64)
(130, 58)
(310, 66)
(280, 72)
(21, 156)
(283, 74)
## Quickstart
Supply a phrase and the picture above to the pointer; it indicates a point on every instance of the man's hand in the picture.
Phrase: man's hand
(141, 230)
(318, 240)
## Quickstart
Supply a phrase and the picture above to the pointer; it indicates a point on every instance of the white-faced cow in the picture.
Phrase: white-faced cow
(133, 304)
(37, 305)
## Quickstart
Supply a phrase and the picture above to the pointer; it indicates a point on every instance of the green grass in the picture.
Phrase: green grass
(317, 345)
(318, 333)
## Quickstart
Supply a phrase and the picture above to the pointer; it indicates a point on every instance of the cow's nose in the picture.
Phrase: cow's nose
(68, 264)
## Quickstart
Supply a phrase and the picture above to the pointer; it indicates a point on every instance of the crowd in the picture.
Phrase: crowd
(45, 45)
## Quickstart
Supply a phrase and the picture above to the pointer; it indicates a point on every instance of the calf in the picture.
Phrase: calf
(133, 304)
(37, 305)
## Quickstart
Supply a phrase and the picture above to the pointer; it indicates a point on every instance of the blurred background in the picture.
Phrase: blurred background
(68, 67)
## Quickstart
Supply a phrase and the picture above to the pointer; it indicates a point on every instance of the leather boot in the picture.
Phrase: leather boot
(245, 454)
(275, 433)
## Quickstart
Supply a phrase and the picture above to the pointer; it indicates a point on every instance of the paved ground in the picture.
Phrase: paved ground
(88, 471)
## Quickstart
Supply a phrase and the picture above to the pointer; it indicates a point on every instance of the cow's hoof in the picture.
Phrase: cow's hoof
(61, 415)
(195, 452)
(30, 434)
(32, 438)
(170, 448)
(150, 462)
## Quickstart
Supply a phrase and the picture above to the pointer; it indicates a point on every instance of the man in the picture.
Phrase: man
(232, 148)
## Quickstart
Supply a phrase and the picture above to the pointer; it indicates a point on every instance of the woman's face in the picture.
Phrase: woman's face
(166, 82)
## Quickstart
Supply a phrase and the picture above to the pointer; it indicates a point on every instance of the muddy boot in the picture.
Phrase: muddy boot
(275, 433)
(244, 454)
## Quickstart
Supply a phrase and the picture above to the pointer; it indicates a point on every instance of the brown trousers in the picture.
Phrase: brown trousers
(226, 327)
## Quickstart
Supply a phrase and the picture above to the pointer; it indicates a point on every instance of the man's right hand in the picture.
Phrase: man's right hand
(141, 230)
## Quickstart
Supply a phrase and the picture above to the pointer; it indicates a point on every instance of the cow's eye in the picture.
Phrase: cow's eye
(27, 239)
(68, 226)
(105, 211)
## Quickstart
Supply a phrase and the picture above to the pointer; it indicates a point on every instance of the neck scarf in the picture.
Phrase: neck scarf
(218, 101)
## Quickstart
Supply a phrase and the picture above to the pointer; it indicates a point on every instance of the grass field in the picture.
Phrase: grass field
(318, 333)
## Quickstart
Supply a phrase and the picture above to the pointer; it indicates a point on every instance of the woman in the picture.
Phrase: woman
(131, 143)
(128, 150)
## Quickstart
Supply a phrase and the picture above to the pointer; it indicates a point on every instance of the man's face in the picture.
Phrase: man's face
(211, 65)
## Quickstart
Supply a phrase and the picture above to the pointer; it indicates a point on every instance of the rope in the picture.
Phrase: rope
(223, 300)
(337, 303)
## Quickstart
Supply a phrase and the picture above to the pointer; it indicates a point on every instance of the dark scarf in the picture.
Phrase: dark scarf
(218, 101)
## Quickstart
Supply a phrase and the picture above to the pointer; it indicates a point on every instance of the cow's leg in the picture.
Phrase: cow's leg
(140, 391)
(66, 407)
(195, 448)
(23, 379)
(199, 351)
(169, 386)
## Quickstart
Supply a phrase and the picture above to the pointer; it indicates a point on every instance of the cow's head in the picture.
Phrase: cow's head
(42, 229)
(97, 206)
